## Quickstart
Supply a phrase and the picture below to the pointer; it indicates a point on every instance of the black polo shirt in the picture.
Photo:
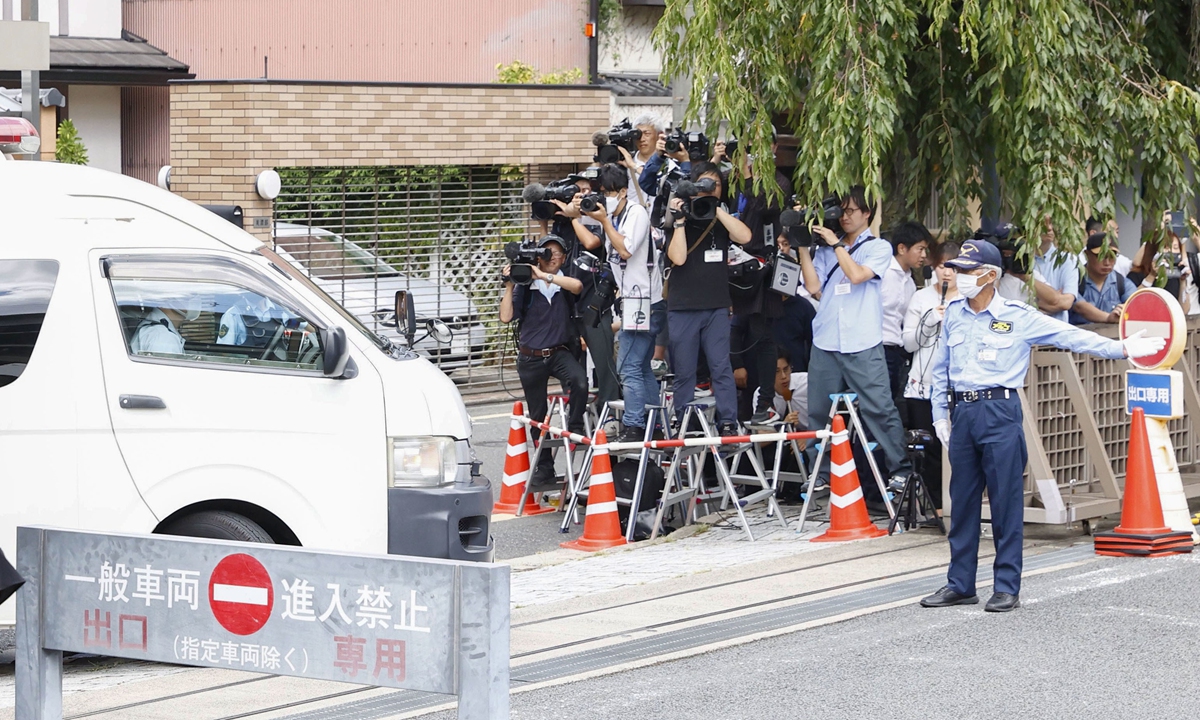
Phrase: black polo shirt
(544, 323)
(697, 284)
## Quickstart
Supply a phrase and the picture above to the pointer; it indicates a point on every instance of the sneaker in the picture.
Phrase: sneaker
(896, 484)
(728, 429)
(659, 368)
(632, 434)
(762, 417)
(816, 485)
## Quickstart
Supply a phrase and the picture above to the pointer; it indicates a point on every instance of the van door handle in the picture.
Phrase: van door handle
(142, 402)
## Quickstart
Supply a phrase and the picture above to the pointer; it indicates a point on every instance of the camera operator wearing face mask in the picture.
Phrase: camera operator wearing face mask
(574, 224)
(626, 225)
(847, 355)
(979, 365)
(698, 296)
(545, 341)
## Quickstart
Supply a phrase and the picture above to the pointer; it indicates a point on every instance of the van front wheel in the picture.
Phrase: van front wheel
(219, 525)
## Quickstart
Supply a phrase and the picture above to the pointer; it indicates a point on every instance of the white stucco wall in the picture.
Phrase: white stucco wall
(629, 49)
(96, 112)
(94, 18)
(85, 18)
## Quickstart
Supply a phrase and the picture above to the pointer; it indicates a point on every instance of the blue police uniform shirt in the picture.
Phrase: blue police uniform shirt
(850, 317)
(1062, 277)
(1105, 298)
(232, 329)
(991, 348)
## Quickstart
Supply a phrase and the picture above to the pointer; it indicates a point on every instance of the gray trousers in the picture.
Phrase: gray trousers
(866, 374)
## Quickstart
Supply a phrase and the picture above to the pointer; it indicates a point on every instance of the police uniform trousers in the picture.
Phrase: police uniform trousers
(987, 450)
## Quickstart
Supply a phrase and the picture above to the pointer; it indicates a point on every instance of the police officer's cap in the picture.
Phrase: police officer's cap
(975, 253)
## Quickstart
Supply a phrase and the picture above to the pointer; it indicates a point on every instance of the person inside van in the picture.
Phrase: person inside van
(545, 342)
(158, 332)
(253, 322)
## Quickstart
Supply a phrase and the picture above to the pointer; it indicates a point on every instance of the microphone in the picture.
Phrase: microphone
(945, 287)
(534, 192)
(599, 138)
(791, 218)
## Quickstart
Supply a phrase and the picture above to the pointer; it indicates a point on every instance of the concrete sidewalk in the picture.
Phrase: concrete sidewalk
(565, 603)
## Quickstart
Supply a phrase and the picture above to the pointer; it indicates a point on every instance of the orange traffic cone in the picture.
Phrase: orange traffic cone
(1142, 530)
(601, 525)
(516, 471)
(848, 518)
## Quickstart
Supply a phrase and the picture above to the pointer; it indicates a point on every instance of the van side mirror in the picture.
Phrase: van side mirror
(335, 360)
(406, 316)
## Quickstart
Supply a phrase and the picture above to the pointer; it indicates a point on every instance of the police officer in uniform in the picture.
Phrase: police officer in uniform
(251, 324)
(977, 368)
(158, 332)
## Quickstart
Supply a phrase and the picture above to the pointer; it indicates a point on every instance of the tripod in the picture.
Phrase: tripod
(915, 499)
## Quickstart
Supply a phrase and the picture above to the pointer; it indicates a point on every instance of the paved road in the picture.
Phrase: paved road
(1111, 638)
(521, 536)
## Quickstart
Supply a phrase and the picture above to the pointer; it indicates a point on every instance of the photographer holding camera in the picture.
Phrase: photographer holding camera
(845, 273)
(626, 226)
(758, 310)
(558, 210)
(546, 338)
(698, 290)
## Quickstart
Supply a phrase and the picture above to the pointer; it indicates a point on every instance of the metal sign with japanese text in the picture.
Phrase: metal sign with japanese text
(1159, 393)
(388, 621)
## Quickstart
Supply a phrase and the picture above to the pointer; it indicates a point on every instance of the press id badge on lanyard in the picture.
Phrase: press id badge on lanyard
(635, 310)
(714, 256)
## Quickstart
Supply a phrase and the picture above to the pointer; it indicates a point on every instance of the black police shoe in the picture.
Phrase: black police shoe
(947, 597)
(1002, 602)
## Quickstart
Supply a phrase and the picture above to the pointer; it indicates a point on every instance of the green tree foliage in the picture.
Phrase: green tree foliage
(1066, 99)
(519, 73)
(68, 147)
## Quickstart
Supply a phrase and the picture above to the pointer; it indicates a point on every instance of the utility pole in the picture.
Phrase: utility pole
(31, 81)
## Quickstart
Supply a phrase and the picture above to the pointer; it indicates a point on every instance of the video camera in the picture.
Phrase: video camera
(796, 223)
(695, 206)
(622, 135)
(540, 196)
(604, 284)
(695, 143)
(522, 257)
(1007, 239)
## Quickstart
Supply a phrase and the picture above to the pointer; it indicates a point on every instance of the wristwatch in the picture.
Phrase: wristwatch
(836, 245)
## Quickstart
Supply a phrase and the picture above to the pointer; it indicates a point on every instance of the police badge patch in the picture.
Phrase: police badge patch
(223, 331)
(1002, 327)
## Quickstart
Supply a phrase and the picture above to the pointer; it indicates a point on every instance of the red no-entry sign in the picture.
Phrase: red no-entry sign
(240, 594)
(1159, 315)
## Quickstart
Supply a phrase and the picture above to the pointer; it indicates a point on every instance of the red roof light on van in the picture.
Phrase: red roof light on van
(18, 137)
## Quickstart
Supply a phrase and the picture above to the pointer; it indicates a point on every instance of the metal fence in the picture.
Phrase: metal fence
(437, 232)
(1079, 430)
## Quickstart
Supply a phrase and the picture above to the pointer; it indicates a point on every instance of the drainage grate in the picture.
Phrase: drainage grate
(687, 638)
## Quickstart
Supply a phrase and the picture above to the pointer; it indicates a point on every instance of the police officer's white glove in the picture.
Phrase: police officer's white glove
(942, 428)
(1137, 345)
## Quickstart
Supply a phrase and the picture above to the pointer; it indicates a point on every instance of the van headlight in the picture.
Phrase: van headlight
(423, 461)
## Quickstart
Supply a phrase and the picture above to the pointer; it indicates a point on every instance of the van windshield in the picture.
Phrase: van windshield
(382, 343)
(330, 257)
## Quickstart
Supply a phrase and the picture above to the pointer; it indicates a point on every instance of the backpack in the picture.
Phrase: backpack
(1120, 283)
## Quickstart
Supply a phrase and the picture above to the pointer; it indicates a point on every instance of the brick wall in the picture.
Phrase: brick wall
(224, 134)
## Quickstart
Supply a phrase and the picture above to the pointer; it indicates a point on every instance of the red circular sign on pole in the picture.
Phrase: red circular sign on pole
(240, 594)
(1154, 311)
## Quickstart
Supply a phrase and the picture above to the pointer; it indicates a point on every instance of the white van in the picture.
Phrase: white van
(163, 371)
(365, 284)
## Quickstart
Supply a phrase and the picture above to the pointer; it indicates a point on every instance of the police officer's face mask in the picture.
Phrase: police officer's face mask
(968, 285)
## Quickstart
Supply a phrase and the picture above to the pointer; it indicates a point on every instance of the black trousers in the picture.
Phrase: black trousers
(754, 346)
(535, 374)
(602, 347)
(898, 360)
(920, 417)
